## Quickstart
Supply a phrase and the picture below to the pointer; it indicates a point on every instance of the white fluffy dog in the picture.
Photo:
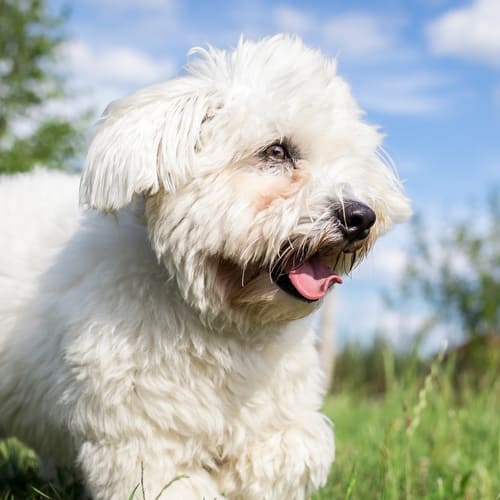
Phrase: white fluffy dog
(166, 330)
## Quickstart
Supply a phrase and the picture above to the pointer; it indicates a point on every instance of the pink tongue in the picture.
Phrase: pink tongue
(313, 278)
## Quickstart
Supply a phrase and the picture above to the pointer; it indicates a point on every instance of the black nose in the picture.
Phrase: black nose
(356, 220)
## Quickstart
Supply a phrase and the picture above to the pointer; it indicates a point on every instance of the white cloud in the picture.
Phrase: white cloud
(387, 263)
(361, 310)
(149, 26)
(471, 31)
(412, 93)
(357, 37)
(100, 75)
(363, 314)
(399, 328)
(143, 5)
(384, 265)
(382, 100)
(359, 34)
(122, 66)
(361, 37)
(291, 20)
(352, 35)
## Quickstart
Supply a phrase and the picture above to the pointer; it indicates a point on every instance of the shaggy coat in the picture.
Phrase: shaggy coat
(163, 330)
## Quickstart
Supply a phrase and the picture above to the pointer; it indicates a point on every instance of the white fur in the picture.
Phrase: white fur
(152, 337)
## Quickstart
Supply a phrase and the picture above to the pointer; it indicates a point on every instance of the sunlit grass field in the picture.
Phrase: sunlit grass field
(430, 434)
(420, 442)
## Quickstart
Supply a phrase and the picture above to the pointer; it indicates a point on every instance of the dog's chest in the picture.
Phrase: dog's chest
(214, 395)
(202, 402)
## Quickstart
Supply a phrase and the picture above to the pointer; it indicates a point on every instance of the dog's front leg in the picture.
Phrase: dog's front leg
(114, 470)
(290, 461)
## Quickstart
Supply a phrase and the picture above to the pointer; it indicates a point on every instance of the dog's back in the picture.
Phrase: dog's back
(39, 213)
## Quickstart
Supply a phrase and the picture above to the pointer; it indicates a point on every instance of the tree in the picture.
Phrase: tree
(457, 273)
(30, 80)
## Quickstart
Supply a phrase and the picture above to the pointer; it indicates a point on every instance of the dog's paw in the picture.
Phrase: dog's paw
(291, 463)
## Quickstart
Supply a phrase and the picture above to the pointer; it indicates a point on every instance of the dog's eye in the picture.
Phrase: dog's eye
(277, 152)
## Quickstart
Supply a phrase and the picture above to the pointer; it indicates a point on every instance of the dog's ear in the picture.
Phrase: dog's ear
(143, 142)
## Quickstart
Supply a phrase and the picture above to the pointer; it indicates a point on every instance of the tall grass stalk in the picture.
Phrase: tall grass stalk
(431, 434)
(414, 419)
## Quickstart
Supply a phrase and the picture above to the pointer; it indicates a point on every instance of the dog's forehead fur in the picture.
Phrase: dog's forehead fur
(250, 96)
(280, 88)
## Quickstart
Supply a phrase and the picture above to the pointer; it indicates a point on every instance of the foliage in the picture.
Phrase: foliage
(30, 43)
(19, 476)
(371, 371)
(457, 273)
(433, 436)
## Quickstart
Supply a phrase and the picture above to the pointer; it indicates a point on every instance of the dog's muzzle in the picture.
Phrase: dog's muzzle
(310, 278)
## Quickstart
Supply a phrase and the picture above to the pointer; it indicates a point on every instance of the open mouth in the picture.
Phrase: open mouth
(310, 281)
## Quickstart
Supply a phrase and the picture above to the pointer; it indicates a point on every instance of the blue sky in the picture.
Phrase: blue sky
(428, 72)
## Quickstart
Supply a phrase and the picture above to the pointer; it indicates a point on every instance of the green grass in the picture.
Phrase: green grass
(422, 437)
(437, 438)
(19, 476)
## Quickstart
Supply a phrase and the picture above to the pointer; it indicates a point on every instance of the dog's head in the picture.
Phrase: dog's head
(262, 184)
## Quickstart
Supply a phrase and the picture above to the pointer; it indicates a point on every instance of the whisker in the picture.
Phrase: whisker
(337, 260)
(353, 260)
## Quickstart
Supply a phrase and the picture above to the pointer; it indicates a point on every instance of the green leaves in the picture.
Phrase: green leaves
(456, 272)
(31, 79)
